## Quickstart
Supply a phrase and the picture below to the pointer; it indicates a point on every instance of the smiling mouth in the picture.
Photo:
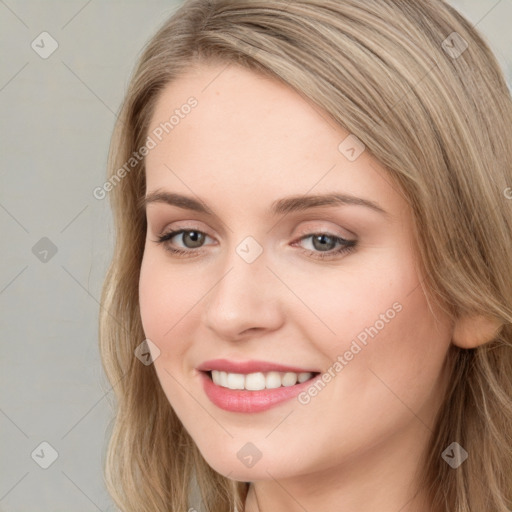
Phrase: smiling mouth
(259, 380)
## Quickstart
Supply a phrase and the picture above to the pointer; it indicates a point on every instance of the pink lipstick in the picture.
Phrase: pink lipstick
(252, 386)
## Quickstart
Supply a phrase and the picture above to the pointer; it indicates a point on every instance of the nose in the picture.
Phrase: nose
(245, 299)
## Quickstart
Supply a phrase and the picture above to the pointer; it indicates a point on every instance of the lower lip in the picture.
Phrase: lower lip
(239, 400)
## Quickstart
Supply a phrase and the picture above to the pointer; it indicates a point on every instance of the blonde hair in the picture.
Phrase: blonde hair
(438, 115)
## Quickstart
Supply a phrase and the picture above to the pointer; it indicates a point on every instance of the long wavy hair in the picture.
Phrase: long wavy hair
(417, 84)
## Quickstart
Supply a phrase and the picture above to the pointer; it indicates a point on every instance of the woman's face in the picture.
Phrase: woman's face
(297, 264)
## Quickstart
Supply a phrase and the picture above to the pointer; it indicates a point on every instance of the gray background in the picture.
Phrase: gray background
(57, 117)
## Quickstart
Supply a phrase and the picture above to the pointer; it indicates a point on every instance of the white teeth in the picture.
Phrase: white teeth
(258, 381)
(303, 377)
(289, 379)
(235, 381)
(255, 381)
(273, 380)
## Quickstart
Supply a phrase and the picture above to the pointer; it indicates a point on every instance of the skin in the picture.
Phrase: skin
(357, 445)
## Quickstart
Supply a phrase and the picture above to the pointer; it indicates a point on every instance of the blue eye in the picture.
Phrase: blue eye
(324, 244)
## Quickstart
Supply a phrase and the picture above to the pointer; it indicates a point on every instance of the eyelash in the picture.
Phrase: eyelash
(347, 245)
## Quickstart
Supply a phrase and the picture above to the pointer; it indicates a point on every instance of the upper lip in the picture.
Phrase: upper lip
(252, 366)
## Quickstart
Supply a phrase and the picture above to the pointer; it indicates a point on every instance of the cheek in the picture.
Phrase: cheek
(393, 348)
(359, 298)
(408, 339)
(166, 298)
(377, 324)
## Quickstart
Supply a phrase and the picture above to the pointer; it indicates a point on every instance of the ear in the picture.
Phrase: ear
(475, 330)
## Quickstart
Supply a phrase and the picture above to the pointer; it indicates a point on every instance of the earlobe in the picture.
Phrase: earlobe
(475, 330)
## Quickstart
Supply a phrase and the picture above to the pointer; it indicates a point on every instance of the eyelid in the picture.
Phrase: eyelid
(309, 230)
(304, 231)
(175, 232)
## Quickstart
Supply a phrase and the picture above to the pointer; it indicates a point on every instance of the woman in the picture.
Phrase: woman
(308, 306)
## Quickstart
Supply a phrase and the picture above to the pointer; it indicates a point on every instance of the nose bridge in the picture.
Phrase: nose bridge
(245, 270)
(245, 296)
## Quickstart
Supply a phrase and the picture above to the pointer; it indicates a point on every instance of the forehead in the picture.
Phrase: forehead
(251, 135)
(236, 102)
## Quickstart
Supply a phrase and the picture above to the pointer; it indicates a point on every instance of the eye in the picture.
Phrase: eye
(191, 239)
(323, 245)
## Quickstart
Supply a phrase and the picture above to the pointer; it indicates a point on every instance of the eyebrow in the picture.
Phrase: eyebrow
(279, 207)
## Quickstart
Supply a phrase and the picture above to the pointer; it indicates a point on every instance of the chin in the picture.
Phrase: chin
(245, 465)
